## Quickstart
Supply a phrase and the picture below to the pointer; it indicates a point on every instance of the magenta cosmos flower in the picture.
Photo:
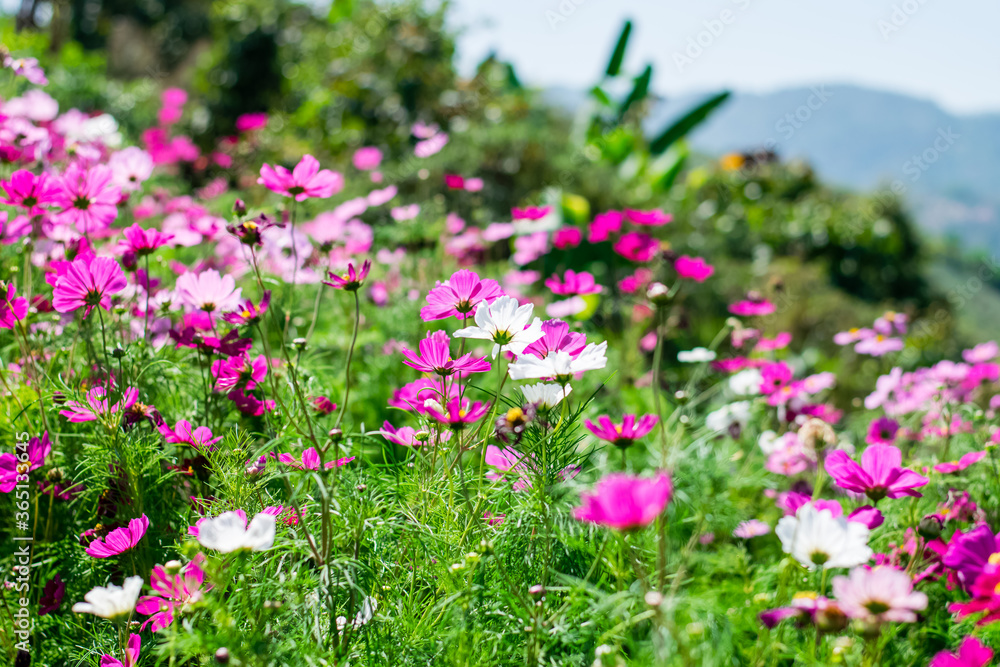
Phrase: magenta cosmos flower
(971, 653)
(624, 434)
(435, 357)
(367, 158)
(184, 434)
(88, 282)
(131, 657)
(574, 284)
(636, 246)
(459, 296)
(653, 218)
(970, 553)
(13, 308)
(239, 372)
(37, 450)
(882, 431)
(120, 540)
(97, 406)
(88, 197)
(310, 460)
(143, 241)
(949, 467)
(249, 313)
(878, 595)
(458, 412)
(351, 280)
(248, 122)
(693, 268)
(530, 212)
(304, 181)
(172, 590)
(31, 192)
(625, 502)
(752, 306)
(985, 597)
(879, 475)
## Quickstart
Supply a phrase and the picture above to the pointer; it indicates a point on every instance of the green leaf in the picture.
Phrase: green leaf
(676, 159)
(615, 64)
(686, 123)
(341, 9)
(598, 94)
(638, 93)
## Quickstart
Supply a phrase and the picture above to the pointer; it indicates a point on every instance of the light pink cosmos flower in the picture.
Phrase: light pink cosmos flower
(404, 213)
(779, 342)
(879, 475)
(310, 460)
(573, 284)
(120, 540)
(26, 67)
(143, 241)
(435, 357)
(751, 528)
(530, 247)
(88, 197)
(351, 280)
(130, 168)
(637, 247)
(653, 218)
(949, 467)
(31, 192)
(239, 372)
(208, 291)
(406, 436)
(88, 282)
(625, 502)
(693, 268)
(852, 336)
(172, 590)
(624, 434)
(459, 296)
(37, 451)
(971, 653)
(97, 405)
(304, 181)
(183, 434)
(431, 145)
(131, 657)
(367, 158)
(881, 594)
(879, 345)
(982, 353)
(13, 308)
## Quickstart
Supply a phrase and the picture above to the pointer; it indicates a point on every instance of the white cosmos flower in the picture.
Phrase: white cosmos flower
(734, 414)
(111, 602)
(506, 323)
(746, 383)
(229, 532)
(815, 538)
(560, 365)
(698, 355)
(546, 396)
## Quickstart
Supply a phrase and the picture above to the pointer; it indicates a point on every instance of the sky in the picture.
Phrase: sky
(942, 50)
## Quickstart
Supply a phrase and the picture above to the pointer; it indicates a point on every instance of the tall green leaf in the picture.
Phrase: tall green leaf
(686, 123)
(639, 91)
(615, 64)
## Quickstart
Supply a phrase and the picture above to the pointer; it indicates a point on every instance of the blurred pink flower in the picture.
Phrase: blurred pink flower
(694, 268)
(304, 181)
(624, 434)
(172, 590)
(877, 595)
(625, 502)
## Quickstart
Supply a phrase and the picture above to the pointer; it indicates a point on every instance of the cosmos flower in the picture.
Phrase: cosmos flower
(304, 181)
(30, 192)
(878, 595)
(183, 434)
(130, 168)
(652, 218)
(636, 246)
(604, 225)
(506, 323)
(111, 602)
(816, 538)
(435, 357)
(251, 121)
(573, 284)
(120, 540)
(249, 313)
(852, 336)
(52, 595)
(970, 553)
(698, 355)
(88, 282)
(752, 306)
(625, 502)
(310, 460)
(172, 591)
(143, 241)
(26, 67)
(13, 308)
(88, 198)
(693, 268)
(545, 396)
(406, 436)
(879, 475)
(556, 336)
(882, 431)
(239, 372)
(751, 528)
(949, 467)
(879, 345)
(561, 366)
(97, 406)
(971, 653)
(230, 532)
(37, 450)
(624, 434)
(459, 296)
(530, 212)
(458, 412)
(208, 291)
(367, 158)
(351, 280)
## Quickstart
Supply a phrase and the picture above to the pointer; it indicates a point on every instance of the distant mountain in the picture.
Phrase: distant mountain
(865, 139)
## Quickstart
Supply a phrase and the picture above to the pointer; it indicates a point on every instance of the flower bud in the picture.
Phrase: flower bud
(222, 656)
(239, 207)
(299, 343)
(930, 527)
(335, 435)
(658, 293)
(172, 567)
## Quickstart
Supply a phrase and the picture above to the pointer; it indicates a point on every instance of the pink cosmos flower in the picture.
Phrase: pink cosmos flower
(636, 282)
(653, 218)
(97, 405)
(890, 323)
(567, 237)
(774, 376)
(304, 181)
(249, 313)
(251, 121)
(574, 284)
(751, 528)
(37, 450)
(88, 282)
(556, 336)
(971, 653)
(183, 434)
(239, 372)
(435, 357)
(530, 247)
(878, 476)
(249, 404)
(752, 306)
(604, 225)
(351, 280)
(878, 345)
(625, 502)
(852, 336)
(31, 192)
(13, 308)
(430, 146)
(949, 467)
(882, 431)
(985, 597)
(510, 460)
(131, 654)
(624, 434)
(120, 540)
(130, 168)
(969, 554)
(458, 412)
(88, 197)
(982, 353)
(881, 594)
(324, 405)
(208, 291)
(405, 436)
(26, 67)
(172, 591)
(459, 296)
(143, 241)
(637, 247)
(694, 268)
(530, 212)
(779, 342)
(367, 158)
(310, 460)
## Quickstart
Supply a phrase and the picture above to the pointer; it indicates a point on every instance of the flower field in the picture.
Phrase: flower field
(281, 397)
